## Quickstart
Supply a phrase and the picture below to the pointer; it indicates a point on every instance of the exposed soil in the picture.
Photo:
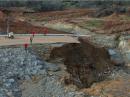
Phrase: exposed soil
(85, 61)
(25, 27)
(28, 22)
(117, 86)
(21, 22)
(105, 83)
(57, 15)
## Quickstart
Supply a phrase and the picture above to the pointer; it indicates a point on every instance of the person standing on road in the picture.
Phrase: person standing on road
(31, 39)
(45, 31)
(25, 46)
(33, 34)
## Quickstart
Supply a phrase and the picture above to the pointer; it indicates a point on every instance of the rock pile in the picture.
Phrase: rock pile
(42, 79)
(16, 64)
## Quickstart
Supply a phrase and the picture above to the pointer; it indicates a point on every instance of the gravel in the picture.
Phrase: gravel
(18, 66)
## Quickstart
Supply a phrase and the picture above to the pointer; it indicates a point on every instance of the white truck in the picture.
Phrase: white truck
(11, 35)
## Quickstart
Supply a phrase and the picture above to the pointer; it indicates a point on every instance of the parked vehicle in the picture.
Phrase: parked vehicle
(11, 35)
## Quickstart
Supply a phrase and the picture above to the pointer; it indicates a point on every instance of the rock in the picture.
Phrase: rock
(27, 77)
(43, 72)
(7, 84)
(116, 57)
(52, 67)
(11, 80)
(5, 59)
(10, 94)
(84, 61)
(21, 67)
(34, 72)
(104, 40)
(49, 86)
(10, 74)
(16, 64)
(111, 52)
(123, 44)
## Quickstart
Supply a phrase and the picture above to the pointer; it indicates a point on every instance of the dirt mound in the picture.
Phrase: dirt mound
(116, 26)
(85, 61)
(54, 15)
(24, 27)
(119, 87)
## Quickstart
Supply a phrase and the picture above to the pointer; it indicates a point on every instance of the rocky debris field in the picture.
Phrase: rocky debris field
(16, 65)
(63, 70)
(111, 82)
(23, 74)
(44, 51)
(116, 85)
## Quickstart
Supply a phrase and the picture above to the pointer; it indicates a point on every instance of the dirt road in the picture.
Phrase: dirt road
(37, 39)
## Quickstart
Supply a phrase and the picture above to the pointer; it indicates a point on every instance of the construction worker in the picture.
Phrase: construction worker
(45, 31)
(31, 39)
(25, 46)
(33, 33)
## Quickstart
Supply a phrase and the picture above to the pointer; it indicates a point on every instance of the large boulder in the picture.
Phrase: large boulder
(85, 61)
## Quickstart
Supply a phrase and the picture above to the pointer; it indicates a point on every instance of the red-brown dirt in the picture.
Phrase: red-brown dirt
(85, 61)
(24, 27)
(54, 15)
(18, 26)
(116, 26)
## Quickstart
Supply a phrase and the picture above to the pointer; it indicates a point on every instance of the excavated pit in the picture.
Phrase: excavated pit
(86, 62)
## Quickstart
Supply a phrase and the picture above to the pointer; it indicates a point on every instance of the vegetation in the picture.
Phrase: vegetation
(47, 5)
(90, 24)
(94, 23)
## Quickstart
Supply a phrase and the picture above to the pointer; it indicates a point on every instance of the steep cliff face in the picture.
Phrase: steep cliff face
(85, 61)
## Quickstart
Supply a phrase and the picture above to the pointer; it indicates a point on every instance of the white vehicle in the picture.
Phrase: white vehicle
(11, 35)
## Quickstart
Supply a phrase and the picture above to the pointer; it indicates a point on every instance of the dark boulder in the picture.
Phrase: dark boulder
(86, 62)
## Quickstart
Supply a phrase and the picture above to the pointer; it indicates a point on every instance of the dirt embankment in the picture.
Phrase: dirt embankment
(85, 61)
(24, 22)
(117, 26)
(19, 24)
(54, 15)
(25, 27)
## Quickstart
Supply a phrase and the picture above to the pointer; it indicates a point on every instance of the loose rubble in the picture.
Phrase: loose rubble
(18, 66)
(15, 65)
